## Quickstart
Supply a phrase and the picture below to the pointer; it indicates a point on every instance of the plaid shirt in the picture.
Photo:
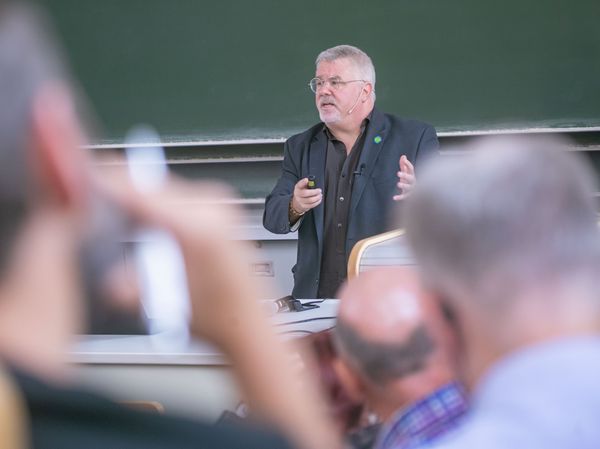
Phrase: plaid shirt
(425, 420)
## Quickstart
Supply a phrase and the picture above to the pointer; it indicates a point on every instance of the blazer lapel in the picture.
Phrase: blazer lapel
(316, 166)
(374, 143)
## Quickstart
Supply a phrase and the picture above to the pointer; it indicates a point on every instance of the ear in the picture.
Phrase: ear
(445, 325)
(56, 137)
(368, 90)
(350, 381)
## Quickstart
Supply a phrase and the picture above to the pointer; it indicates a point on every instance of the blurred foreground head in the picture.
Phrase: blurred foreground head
(36, 107)
(508, 236)
(55, 243)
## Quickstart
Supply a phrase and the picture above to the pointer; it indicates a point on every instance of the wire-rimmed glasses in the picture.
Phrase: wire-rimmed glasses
(335, 83)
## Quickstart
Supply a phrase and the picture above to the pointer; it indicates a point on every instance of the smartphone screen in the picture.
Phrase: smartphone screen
(156, 255)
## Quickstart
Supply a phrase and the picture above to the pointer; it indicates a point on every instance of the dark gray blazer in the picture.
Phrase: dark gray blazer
(388, 137)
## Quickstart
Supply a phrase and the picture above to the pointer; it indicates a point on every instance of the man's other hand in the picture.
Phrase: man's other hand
(406, 178)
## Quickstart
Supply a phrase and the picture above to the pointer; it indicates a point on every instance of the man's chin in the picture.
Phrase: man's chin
(329, 118)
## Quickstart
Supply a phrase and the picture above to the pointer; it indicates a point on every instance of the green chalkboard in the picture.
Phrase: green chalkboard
(233, 70)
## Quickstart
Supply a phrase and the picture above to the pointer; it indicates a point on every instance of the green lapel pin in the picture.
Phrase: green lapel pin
(377, 139)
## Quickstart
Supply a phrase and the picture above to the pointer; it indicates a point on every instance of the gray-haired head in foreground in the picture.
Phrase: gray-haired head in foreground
(511, 215)
(361, 60)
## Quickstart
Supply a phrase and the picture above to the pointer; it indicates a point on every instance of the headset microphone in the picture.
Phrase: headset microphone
(355, 103)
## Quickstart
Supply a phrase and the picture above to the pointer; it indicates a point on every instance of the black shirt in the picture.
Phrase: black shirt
(339, 178)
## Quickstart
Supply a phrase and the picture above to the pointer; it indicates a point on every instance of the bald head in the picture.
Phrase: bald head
(388, 327)
(383, 305)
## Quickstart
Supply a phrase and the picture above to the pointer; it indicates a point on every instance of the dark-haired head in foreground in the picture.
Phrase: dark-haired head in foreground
(48, 197)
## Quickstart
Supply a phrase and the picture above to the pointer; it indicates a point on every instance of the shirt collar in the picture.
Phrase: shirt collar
(426, 419)
(557, 359)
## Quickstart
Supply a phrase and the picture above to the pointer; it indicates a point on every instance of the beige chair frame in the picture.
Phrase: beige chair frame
(361, 246)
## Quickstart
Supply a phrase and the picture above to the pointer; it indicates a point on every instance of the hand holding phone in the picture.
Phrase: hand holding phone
(222, 293)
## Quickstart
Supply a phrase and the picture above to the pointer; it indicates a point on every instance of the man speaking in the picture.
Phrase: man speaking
(354, 154)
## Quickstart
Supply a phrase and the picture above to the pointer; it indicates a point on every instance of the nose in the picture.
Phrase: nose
(324, 89)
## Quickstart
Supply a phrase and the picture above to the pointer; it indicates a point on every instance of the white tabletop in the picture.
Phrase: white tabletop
(164, 349)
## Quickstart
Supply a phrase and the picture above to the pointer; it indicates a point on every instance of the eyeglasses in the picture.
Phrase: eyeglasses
(316, 83)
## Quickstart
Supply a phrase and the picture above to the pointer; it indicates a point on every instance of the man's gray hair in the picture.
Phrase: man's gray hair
(511, 215)
(361, 60)
(379, 362)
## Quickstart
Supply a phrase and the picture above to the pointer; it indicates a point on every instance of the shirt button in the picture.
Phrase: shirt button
(341, 198)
